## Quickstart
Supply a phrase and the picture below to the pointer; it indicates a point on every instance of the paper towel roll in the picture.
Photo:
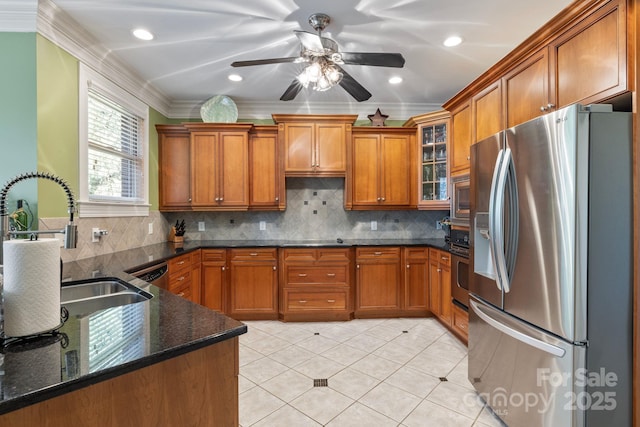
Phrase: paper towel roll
(31, 286)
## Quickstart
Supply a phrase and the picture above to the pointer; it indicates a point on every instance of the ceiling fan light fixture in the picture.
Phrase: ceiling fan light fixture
(235, 77)
(395, 80)
(452, 41)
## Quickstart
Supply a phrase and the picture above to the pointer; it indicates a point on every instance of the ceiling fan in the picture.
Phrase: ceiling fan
(324, 58)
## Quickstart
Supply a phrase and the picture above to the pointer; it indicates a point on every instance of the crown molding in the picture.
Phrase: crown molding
(57, 26)
(262, 110)
(18, 16)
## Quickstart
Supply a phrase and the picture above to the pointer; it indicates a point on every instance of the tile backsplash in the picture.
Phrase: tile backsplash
(315, 210)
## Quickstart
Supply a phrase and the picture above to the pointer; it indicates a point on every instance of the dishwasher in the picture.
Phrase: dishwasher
(155, 274)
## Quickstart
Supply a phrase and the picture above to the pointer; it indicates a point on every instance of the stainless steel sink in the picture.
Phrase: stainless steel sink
(91, 289)
(86, 297)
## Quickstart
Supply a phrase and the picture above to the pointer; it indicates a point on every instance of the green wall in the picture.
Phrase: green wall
(57, 125)
(18, 115)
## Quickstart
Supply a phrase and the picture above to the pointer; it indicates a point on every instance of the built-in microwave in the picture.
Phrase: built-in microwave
(460, 200)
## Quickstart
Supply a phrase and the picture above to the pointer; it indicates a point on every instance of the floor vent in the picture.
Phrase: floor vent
(316, 333)
(405, 332)
(443, 379)
(321, 382)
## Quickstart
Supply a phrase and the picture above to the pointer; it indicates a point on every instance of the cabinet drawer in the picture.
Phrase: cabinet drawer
(441, 256)
(460, 320)
(300, 300)
(332, 254)
(323, 275)
(179, 279)
(182, 289)
(212, 255)
(180, 262)
(256, 254)
(417, 253)
(377, 253)
(299, 254)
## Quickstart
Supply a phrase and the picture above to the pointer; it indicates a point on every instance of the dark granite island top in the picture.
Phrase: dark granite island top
(94, 348)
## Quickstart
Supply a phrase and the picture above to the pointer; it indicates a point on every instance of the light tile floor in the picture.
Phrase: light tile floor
(380, 372)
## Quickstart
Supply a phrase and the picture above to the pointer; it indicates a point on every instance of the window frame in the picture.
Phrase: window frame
(90, 79)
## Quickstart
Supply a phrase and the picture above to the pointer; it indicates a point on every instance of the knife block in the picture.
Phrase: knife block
(173, 238)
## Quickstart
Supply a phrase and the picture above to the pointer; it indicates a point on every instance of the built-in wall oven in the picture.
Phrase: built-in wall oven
(459, 248)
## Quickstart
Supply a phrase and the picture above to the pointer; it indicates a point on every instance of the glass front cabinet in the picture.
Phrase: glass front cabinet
(433, 141)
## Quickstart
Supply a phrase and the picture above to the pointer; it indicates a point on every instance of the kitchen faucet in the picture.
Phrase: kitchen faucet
(70, 231)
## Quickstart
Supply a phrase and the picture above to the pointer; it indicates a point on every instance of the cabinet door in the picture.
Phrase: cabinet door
(298, 141)
(330, 154)
(254, 288)
(213, 279)
(459, 150)
(395, 171)
(174, 168)
(589, 62)
(204, 170)
(264, 180)
(526, 89)
(416, 279)
(366, 169)
(233, 160)
(434, 287)
(378, 286)
(487, 112)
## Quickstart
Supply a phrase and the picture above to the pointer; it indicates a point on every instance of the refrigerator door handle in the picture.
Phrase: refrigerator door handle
(496, 219)
(511, 241)
(482, 312)
(494, 201)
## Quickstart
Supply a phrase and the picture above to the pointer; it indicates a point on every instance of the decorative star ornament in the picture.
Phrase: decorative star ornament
(378, 118)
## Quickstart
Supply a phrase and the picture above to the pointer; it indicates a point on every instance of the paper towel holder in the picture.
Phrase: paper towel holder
(70, 231)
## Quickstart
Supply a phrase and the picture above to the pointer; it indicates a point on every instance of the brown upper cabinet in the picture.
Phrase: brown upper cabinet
(383, 169)
(460, 140)
(219, 166)
(266, 180)
(314, 145)
(581, 55)
(433, 133)
(174, 163)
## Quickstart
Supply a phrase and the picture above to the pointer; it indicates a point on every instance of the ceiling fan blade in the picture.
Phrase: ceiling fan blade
(376, 59)
(264, 61)
(354, 88)
(294, 88)
(310, 41)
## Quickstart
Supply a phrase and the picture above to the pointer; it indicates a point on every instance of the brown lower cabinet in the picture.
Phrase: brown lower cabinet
(253, 284)
(440, 285)
(184, 276)
(214, 279)
(315, 284)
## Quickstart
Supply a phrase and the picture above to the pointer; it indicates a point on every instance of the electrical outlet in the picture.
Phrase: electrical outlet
(438, 225)
(263, 225)
(150, 228)
(94, 234)
(200, 225)
(374, 225)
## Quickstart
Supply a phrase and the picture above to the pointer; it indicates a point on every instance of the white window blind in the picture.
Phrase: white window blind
(115, 156)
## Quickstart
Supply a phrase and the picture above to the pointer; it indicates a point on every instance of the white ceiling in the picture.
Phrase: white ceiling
(196, 41)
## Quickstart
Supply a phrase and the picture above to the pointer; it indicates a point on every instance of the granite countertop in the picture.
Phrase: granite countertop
(163, 327)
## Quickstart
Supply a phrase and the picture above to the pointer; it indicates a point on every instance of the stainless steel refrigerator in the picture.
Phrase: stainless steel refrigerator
(550, 333)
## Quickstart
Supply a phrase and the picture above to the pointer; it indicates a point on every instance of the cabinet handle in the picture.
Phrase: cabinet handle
(439, 270)
(358, 266)
(277, 199)
(181, 294)
(377, 253)
(180, 279)
(383, 199)
(303, 301)
(302, 275)
(180, 262)
(550, 106)
(274, 268)
(408, 266)
(331, 274)
(379, 198)
(468, 157)
(223, 268)
(189, 199)
(253, 253)
(331, 301)
(445, 258)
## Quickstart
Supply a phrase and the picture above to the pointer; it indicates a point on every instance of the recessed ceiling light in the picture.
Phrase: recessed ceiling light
(452, 41)
(142, 34)
(235, 78)
(395, 80)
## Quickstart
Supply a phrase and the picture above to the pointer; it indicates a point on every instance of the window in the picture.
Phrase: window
(113, 149)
